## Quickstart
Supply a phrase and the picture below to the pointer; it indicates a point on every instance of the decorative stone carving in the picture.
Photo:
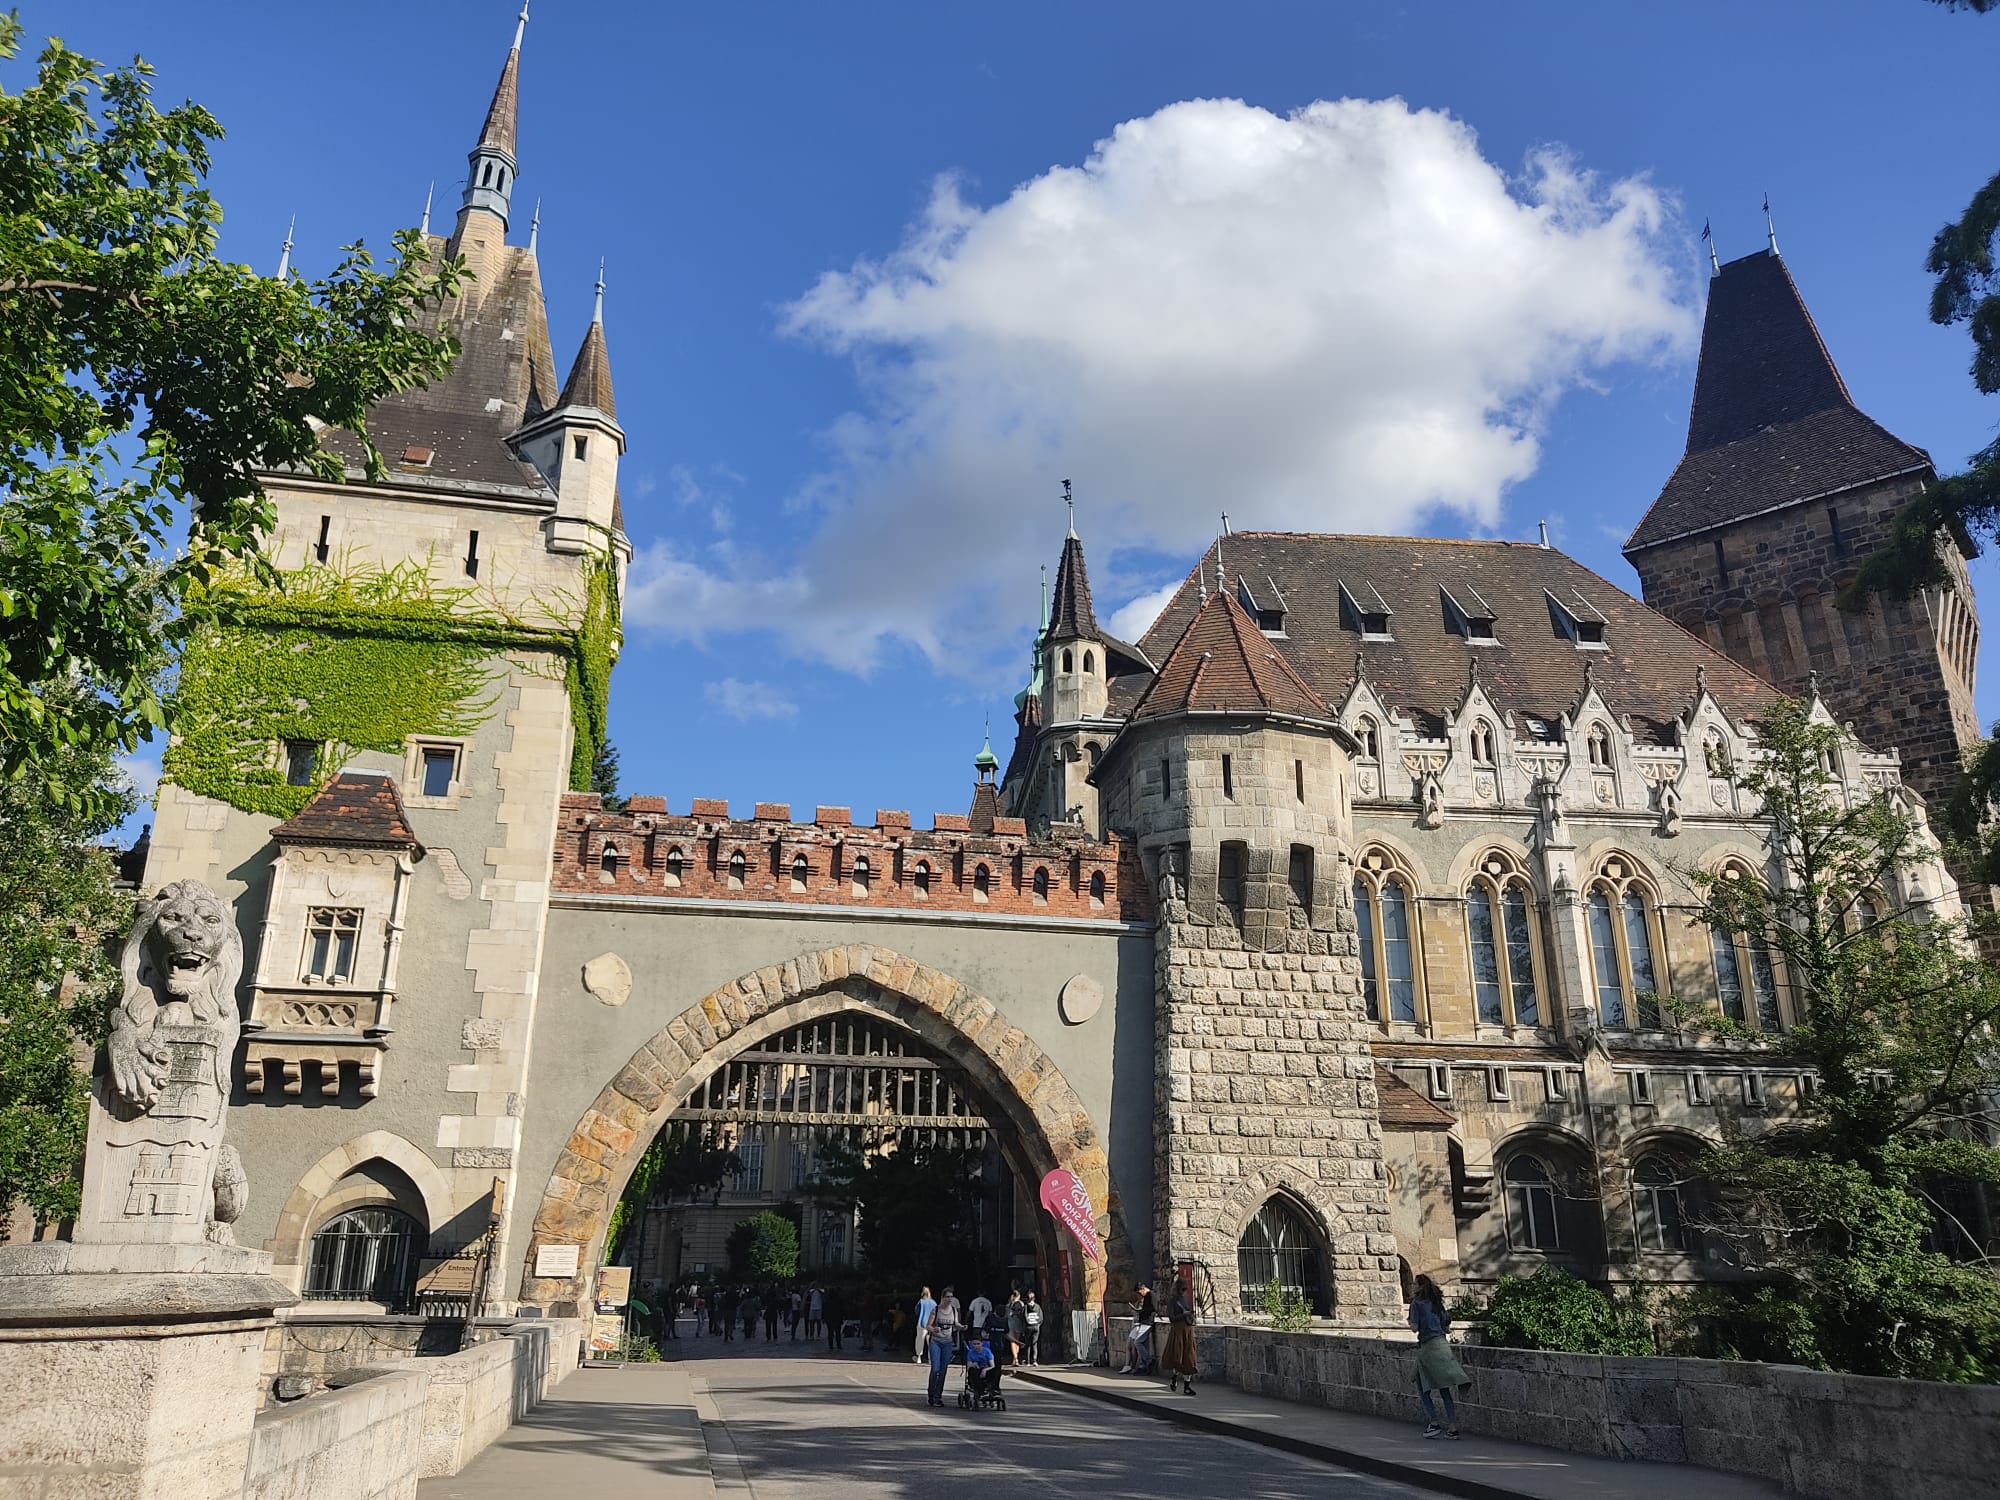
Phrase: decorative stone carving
(156, 1170)
(1670, 811)
(1430, 796)
(1551, 824)
(609, 978)
(1081, 999)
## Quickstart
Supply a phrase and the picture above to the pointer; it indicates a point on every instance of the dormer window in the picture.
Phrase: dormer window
(1576, 618)
(1467, 614)
(1363, 609)
(1266, 605)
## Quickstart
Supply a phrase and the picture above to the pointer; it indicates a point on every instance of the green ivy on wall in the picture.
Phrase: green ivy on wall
(360, 660)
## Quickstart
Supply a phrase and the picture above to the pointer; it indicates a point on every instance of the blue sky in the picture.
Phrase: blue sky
(851, 396)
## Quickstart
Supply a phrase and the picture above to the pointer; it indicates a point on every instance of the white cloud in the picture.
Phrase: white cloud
(1130, 621)
(1346, 318)
(750, 701)
(142, 774)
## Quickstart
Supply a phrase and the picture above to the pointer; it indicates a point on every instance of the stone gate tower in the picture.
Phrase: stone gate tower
(1785, 487)
(1233, 774)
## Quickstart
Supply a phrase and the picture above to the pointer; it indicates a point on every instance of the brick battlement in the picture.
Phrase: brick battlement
(707, 855)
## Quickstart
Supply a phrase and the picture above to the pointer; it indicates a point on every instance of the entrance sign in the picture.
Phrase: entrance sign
(557, 1261)
(1069, 1200)
(614, 1287)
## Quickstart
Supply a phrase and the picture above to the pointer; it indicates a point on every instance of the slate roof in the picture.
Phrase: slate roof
(1772, 422)
(502, 116)
(1224, 664)
(1400, 1107)
(504, 372)
(1646, 669)
(1073, 615)
(589, 382)
(356, 808)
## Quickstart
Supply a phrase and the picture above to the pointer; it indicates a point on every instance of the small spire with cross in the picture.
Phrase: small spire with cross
(1069, 499)
(1770, 225)
(285, 254)
(424, 224)
(535, 227)
(1708, 239)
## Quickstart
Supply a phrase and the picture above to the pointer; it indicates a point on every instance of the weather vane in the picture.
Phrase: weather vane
(1070, 500)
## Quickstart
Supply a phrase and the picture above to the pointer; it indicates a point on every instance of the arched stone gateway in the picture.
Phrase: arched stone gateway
(1045, 1124)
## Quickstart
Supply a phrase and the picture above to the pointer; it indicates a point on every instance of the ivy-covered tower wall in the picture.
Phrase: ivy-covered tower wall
(426, 685)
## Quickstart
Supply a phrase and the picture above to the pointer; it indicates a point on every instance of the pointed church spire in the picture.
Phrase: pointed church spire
(535, 231)
(1770, 224)
(1073, 617)
(589, 382)
(489, 183)
(424, 224)
(285, 255)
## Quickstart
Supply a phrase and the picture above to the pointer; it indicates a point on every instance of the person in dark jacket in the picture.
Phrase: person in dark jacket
(1178, 1357)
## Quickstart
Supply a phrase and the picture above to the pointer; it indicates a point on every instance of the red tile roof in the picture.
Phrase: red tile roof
(1400, 1107)
(357, 808)
(1224, 664)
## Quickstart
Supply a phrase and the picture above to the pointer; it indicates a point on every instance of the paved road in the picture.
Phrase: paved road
(830, 1428)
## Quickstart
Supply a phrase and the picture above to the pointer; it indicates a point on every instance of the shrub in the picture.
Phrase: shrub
(765, 1247)
(1553, 1310)
(1286, 1308)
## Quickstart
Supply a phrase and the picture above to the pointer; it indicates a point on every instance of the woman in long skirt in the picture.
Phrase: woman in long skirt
(1178, 1359)
(1438, 1368)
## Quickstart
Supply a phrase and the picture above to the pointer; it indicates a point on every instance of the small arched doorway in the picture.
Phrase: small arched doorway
(1280, 1245)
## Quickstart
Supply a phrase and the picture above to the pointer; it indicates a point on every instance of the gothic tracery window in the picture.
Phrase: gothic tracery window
(1657, 1204)
(1746, 980)
(1533, 1222)
(1623, 918)
(1499, 907)
(1598, 743)
(1386, 925)
(1482, 744)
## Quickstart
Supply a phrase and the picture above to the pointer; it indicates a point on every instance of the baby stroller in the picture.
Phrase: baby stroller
(982, 1387)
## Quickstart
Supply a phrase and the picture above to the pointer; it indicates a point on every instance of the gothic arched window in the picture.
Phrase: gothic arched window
(1599, 744)
(1279, 1244)
(1482, 744)
(1089, 663)
(1041, 887)
(982, 883)
(1499, 907)
(920, 880)
(1657, 1205)
(1746, 981)
(738, 868)
(1096, 887)
(365, 1254)
(1369, 738)
(1532, 1220)
(801, 872)
(1624, 926)
(859, 876)
(1386, 924)
(676, 863)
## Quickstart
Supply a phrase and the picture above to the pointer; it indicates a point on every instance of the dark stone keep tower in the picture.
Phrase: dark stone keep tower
(1785, 487)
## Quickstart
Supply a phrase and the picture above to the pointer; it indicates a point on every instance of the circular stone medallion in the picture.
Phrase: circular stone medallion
(1080, 999)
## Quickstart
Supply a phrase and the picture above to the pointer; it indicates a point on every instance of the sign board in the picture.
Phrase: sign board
(557, 1261)
(606, 1330)
(614, 1286)
(497, 1209)
(1069, 1200)
(454, 1276)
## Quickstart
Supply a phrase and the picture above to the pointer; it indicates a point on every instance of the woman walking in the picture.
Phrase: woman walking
(1017, 1325)
(1438, 1368)
(1178, 1359)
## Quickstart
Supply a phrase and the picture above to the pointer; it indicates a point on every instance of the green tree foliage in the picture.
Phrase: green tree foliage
(915, 1204)
(144, 385)
(765, 1247)
(1896, 1013)
(1554, 1310)
(58, 979)
(681, 1163)
(1286, 1308)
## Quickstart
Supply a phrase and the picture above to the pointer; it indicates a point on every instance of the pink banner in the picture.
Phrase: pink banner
(1069, 1201)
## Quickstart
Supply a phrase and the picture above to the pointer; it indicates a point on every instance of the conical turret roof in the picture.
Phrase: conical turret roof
(1073, 616)
(589, 382)
(1224, 664)
(503, 114)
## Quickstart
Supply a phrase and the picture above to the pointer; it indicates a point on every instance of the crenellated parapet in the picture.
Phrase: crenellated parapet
(708, 855)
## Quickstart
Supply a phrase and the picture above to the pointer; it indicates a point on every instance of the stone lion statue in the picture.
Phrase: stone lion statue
(173, 1035)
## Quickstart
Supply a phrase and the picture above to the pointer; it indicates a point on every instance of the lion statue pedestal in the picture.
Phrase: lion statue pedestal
(130, 1354)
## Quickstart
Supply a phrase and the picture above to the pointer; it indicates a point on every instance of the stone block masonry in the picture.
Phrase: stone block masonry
(1812, 1432)
(1266, 1087)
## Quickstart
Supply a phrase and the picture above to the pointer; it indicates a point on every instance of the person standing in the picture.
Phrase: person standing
(1139, 1340)
(1438, 1368)
(774, 1304)
(795, 1309)
(1032, 1315)
(1017, 1325)
(1178, 1357)
(980, 1312)
(750, 1309)
(815, 1310)
(833, 1308)
(943, 1332)
(925, 1308)
(726, 1302)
